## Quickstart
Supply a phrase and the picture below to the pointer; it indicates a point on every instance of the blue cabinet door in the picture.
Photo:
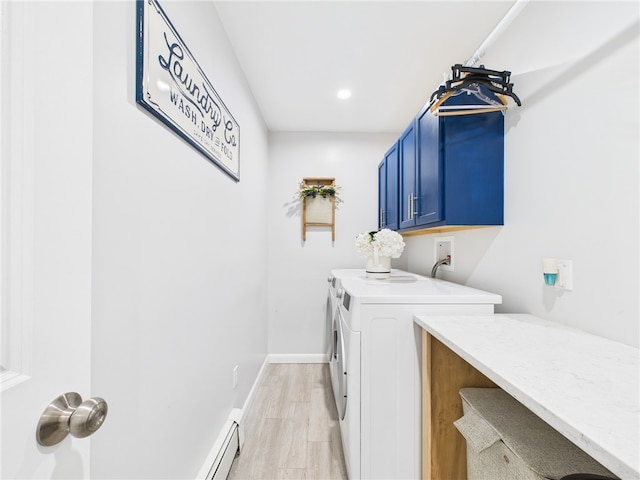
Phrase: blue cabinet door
(429, 169)
(408, 193)
(474, 169)
(388, 190)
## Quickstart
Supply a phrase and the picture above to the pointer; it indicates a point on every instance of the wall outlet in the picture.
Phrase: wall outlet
(558, 273)
(565, 275)
(444, 248)
(235, 375)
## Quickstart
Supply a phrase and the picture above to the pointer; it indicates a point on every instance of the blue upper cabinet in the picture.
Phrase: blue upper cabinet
(451, 171)
(388, 190)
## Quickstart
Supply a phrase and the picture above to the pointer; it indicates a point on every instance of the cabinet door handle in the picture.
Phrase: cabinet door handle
(414, 206)
(382, 217)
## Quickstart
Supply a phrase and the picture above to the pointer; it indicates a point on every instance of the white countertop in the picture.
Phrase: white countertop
(584, 386)
(415, 289)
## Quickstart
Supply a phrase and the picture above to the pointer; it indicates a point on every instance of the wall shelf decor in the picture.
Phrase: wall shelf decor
(318, 195)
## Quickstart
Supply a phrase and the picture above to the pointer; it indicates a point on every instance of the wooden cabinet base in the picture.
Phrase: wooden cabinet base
(444, 373)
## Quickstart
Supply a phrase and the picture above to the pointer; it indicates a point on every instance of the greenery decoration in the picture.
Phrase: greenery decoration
(325, 191)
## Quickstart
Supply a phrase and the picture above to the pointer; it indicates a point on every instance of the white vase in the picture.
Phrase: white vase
(378, 266)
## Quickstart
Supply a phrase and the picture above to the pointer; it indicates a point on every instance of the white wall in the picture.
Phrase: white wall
(180, 282)
(298, 270)
(571, 180)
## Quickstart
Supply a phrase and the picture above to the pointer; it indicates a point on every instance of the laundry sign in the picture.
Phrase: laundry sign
(171, 85)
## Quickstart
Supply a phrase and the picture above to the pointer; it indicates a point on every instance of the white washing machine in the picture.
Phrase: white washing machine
(379, 357)
(334, 297)
(333, 354)
(334, 280)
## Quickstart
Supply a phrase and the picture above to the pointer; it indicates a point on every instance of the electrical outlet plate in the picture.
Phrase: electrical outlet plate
(444, 247)
(235, 375)
(565, 275)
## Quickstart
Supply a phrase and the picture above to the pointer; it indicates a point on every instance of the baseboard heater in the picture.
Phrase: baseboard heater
(220, 459)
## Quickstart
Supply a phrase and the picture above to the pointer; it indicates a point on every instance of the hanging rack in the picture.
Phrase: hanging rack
(473, 80)
(499, 29)
(511, 15)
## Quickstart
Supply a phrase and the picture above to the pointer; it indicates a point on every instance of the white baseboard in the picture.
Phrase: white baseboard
(297, 358)
(250, 398)
(220, 457)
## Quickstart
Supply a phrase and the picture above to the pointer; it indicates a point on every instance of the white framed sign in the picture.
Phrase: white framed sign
(171, 85)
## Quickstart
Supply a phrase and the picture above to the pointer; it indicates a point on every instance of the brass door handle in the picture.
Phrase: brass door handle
(68, 414)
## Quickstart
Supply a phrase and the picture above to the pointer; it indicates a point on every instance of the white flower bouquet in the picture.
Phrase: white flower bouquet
(386, 243)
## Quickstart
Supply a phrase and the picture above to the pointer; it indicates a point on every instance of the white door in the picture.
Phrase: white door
(46, 82)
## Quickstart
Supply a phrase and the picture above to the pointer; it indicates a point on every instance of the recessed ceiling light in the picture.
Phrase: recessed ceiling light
(344, 94)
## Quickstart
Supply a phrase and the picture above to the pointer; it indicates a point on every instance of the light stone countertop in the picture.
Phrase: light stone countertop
(584, 386)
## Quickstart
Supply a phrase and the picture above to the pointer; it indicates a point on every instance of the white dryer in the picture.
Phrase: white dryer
(379, 389)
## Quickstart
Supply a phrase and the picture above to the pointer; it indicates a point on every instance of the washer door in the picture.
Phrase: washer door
(340, 392)
(329, 327)
(333, 355)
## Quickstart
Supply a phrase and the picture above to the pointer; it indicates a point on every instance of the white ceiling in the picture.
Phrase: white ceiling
(296, 55)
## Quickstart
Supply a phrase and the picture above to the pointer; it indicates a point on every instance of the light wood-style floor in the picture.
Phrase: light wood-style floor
(292, 429)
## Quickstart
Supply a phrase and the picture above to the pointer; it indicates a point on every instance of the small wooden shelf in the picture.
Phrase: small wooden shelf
(319, 211)
(441, 229)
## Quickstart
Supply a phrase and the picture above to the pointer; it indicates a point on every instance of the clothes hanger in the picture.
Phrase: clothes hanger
(497, 86)
(492, 85)
(440, 110)
(470, 80)
(489, 103)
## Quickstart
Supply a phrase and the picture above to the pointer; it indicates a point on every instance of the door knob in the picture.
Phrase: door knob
(68, 414)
